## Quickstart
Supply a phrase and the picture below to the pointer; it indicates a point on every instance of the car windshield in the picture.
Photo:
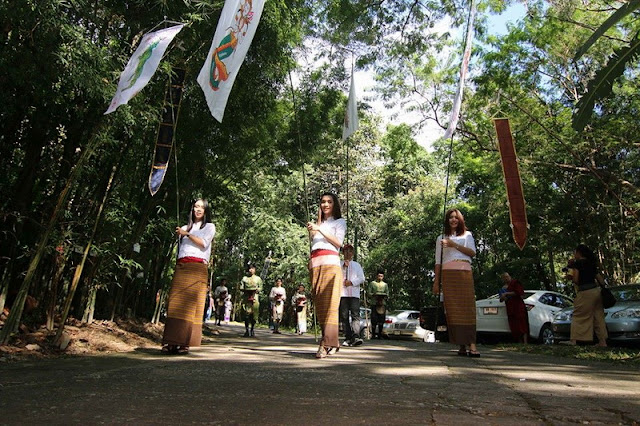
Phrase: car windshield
(527, 294)
(626, 293)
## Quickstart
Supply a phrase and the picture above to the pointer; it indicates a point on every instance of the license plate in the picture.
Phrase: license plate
(396, 332)
(490, 311)
(442, 328)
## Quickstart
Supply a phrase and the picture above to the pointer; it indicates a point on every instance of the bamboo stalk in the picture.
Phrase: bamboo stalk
(80, 267)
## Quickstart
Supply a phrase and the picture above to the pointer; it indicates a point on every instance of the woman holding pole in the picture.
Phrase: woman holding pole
(327, 235)
(454, 252)
(183, 327)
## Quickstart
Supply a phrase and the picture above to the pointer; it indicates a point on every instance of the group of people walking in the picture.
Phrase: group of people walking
(336, 286)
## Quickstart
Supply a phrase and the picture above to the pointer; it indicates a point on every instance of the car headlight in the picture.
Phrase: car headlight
(627, 313)
(563, 316)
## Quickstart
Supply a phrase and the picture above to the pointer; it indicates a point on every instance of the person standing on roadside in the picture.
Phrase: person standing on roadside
(588, 312)
(299, 302)
(350, 300)
(379, 291)
(185, 308)
(327, 234)
(516, 310)
(251, 287)
(455, 250)
(221, 294)
(277, 296)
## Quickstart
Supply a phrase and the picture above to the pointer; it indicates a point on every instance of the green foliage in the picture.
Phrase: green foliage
(602, 83)
(612, 20)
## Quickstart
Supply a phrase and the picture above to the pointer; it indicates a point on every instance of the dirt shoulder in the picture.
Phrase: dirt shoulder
(99, 337)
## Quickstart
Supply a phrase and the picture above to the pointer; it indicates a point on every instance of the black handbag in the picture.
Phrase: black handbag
(608, 299)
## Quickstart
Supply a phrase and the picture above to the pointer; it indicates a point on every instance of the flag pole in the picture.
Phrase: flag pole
(306, 194)
(449, 133)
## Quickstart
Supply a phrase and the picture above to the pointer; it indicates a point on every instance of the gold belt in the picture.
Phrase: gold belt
(461, 260)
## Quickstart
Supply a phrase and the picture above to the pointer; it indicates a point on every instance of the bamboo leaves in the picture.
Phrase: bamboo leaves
(601, 85)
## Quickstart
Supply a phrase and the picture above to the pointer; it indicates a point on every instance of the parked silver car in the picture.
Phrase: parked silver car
(404, 323)
(622, 319)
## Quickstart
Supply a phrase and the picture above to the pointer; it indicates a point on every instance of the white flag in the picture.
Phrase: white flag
(236, 28)
(457, 102)
(351, 114)
(142, 65)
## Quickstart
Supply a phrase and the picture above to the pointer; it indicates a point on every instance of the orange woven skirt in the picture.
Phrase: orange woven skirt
(185, 309)
(326, 281)
(459, 305)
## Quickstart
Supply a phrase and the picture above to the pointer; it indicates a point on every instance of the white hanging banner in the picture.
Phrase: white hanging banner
(235, 31)
(351, 114)
(142, 65)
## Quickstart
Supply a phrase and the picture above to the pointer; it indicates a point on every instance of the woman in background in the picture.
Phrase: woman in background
(299, 302)
(588, 312)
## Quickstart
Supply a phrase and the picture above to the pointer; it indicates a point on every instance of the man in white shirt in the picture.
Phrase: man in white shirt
(350, 300)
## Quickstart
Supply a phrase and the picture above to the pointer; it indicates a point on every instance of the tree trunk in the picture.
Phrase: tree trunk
(4, 288)
(80, 267)
(53, 293)
(87, 317)
(552, 267)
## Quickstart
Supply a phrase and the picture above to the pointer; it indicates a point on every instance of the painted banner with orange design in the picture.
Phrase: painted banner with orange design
(236, 28)
(512, 181)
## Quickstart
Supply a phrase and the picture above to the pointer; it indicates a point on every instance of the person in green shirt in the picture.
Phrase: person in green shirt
(251, 287)
(378, 291)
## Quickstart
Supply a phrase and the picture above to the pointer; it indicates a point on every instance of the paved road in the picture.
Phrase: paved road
(275, 379)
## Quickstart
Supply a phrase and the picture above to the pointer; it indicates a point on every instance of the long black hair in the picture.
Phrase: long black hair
(192, 217)
(587, 253)
(337, 211)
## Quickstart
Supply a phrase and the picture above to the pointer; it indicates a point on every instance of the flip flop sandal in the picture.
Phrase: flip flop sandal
(322, 352)
(475, 354)
(169, 349)
(463, 353)
(182, 350)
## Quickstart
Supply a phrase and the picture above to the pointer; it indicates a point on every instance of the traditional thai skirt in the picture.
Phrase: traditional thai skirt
(588, 316)
(326, 281)
(459, 302)
(185, 309)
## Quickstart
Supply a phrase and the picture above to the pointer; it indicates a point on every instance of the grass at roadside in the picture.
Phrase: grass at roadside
(630, 356)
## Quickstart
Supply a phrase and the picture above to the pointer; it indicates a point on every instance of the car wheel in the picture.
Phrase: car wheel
(546, 335)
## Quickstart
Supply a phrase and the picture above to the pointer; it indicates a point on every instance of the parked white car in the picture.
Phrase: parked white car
(542, 305)
(404, 323)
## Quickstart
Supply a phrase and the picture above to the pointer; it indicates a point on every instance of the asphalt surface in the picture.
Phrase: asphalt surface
(275, 379)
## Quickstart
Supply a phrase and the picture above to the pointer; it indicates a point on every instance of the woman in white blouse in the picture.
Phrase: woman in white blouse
(183, 327)
(454, 254)
(327, 235)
